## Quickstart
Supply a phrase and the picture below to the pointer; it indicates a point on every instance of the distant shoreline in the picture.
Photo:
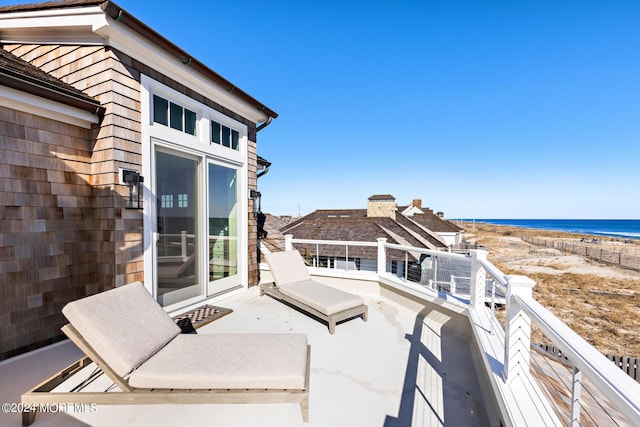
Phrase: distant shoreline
(615, 229)
(627, 246)
(595, 290)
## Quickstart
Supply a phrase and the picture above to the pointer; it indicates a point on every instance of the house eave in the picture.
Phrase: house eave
(53, 26)
(110, 25)
(45, 107)
(20, 82)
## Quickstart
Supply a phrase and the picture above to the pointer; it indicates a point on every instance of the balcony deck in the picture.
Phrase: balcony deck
(425, 358)
(403, 367)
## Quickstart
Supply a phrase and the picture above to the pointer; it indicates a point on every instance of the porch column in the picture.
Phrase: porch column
(517, 333)
(288, 242)
(478, 278)
(382, 256)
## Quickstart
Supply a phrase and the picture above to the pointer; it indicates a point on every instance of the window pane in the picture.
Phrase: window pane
(223, 223)
(178, 252)
(160, 110)
(176, 116)
(235, 136)
(183, 201)
(215, 132)
(189, 122)
(226, 136)
(167, 200)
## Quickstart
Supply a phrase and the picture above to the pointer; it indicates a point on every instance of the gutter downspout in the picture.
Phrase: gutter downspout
(265, 124)
(264, 172)
(258, 129)
(261, 217)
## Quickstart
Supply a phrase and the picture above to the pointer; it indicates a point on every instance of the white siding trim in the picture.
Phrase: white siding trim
(39, 106)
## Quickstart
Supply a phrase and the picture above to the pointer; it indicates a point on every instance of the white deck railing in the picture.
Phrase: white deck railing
(410, 265)
(182, 242)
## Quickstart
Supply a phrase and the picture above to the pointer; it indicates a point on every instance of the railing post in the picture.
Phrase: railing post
(478, 278)
(382, 255)
(435, 273)
(576, 391)
(183, 245)
(406, 265)
(288, 242)
(517, 333)
(346, 257)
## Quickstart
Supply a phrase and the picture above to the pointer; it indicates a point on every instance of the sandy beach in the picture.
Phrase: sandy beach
(600, 301)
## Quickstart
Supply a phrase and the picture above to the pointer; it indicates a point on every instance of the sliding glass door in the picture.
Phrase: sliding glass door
(223, 228)
(184, 260)
(178, 254)
(195, 213)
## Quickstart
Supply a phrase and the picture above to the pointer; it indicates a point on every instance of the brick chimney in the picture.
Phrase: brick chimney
(417, 203)
(382, 205)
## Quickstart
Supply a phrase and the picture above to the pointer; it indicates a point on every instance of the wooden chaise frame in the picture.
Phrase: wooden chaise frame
(42, 394)
(270, 288)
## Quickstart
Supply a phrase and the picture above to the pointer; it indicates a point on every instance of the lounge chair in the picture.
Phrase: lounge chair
(293, 284)
(140, 348)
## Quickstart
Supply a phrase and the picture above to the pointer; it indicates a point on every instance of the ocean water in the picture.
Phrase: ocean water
(621, 228)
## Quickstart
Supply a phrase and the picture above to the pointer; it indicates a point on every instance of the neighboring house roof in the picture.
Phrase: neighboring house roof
(116, 13)
(20, 75)
(427, 218)
(435, 223)
(274, 240)
(277, 222)
(382, 197)
(354, 225)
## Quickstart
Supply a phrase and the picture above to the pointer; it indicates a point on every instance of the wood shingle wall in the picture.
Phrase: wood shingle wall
(47, 257)
(97, 71)
(65, 232)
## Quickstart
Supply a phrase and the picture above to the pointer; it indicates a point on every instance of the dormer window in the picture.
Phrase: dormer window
(173, 115)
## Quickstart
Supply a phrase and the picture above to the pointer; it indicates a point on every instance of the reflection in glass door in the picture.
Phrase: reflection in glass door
(177, 239)
(223, 228)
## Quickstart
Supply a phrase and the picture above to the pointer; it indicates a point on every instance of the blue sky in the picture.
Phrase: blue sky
(486, 109)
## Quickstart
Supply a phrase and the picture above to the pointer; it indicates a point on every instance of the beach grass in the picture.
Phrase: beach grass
(601, 302)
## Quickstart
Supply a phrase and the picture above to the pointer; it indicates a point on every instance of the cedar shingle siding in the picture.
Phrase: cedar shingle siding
(64, 230)
(100, 73)
(48, 247)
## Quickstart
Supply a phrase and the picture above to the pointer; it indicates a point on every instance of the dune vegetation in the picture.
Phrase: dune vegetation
(601, 302)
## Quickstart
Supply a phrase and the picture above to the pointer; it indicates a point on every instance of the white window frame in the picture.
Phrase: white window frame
(200, 145)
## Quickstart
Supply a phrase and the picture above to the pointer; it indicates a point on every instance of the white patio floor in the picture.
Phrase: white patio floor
(401, 368)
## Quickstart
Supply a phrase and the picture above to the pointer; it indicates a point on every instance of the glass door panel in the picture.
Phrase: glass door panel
(177, 254)
(223, 228)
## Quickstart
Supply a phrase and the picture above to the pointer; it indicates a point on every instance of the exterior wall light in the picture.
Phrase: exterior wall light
(133, 180)
(256, 197)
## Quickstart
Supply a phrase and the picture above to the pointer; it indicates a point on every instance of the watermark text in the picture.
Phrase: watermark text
(8, 408)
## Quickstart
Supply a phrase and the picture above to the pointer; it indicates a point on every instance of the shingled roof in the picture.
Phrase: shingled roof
(354, 225)
(59, 4)
(20, 75)
(435, 223)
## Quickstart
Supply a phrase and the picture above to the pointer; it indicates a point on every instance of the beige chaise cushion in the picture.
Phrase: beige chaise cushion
(287, 267)
(228, 361)
(325, 299)
(125, 325)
